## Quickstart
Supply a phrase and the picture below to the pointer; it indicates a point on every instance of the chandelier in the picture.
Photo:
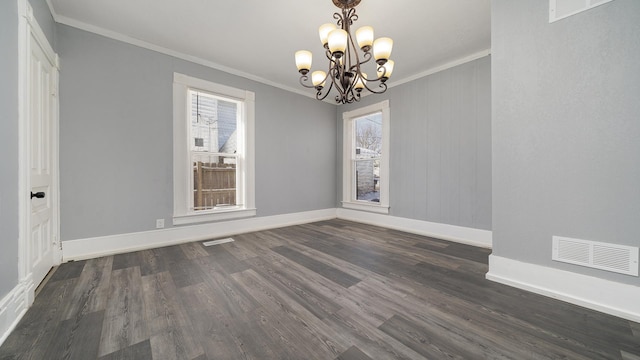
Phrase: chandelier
(345, 63)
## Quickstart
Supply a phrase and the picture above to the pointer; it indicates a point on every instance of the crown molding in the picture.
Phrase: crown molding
(210, 64)
(445, 66)
(160, 49)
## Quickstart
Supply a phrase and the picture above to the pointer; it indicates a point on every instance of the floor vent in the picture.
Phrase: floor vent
(217, 242)
(611, 257)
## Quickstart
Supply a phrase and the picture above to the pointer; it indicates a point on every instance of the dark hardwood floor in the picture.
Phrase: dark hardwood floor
(328, 290)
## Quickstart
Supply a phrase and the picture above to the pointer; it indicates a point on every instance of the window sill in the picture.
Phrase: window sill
(217, 215)
(380, 209)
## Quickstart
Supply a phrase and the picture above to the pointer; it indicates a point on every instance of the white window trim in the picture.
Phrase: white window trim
(181, 163)
(348, 183)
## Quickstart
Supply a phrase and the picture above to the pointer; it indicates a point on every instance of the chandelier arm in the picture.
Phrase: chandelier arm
(366, 58)
(355, 93)
(345, 98)
(332, 60)
(336, 73)
(356, 66)
(351, 47)
(384, 71)
(339, 19)
(348, 76)
(352, 96)
(321, 97)
(382, 85)
(303, 79)
(342, 64)
(352, 16)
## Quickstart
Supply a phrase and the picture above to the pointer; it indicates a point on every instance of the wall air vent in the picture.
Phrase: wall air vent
(611, 257)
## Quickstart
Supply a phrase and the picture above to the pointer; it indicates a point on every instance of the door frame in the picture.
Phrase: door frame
(27, 27)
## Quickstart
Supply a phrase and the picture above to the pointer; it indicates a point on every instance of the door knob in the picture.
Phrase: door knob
(39, 195)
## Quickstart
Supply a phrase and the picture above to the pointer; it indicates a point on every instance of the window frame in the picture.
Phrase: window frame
(182, 169)
(349, 192)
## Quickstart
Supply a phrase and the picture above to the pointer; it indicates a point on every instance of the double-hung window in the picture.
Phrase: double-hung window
(213, 151)
(366, 158)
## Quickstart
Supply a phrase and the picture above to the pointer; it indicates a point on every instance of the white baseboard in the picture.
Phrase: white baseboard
(115, 244)
(88, 248)
(606, 296)
(13, 307)
(470, 236)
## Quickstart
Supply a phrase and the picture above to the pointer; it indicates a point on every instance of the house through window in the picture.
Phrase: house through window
(214, 150)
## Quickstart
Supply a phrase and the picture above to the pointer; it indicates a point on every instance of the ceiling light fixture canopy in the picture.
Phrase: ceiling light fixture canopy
(345, 62)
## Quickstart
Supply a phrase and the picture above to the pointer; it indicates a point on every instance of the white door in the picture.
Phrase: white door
(41, 159)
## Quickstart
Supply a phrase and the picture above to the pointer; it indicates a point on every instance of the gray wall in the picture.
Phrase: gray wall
(116, 139)
(8, 146)
(440, 146)
(566, 129)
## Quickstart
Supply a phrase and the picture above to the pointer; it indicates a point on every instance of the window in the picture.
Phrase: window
(366, 158)
(212, 151)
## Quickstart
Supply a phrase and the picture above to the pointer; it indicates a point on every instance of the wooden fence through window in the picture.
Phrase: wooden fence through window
(214, 185)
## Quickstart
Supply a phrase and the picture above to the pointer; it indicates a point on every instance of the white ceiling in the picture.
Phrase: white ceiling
(258, 38)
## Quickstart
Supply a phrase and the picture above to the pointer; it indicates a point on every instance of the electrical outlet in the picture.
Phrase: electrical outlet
(159, 223)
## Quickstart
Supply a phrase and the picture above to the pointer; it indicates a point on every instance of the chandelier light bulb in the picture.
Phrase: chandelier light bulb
(364, 35)
(360, 82)
(384, 71)
(318, 79)
(324, 31)
(382, 49)
(303, 61)
(337, 42)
